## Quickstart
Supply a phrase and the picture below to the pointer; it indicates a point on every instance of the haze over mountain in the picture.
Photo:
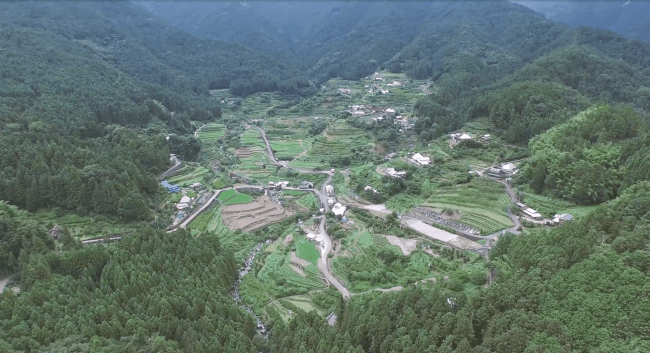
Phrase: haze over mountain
(629, 18)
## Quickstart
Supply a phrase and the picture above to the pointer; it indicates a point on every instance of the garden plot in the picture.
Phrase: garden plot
(211, 132)
(253, 215)
(287, 150)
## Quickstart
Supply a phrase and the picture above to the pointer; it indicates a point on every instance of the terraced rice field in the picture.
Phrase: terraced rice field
(253, 215)
(211, 132)
(286, 150)
(252, 137)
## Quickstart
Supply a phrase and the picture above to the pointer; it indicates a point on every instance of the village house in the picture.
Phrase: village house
(391, 172)
(338, 209)
(486, 138)
(329, 190)
(196, 185)
(306, 185)
(561, 218)
(460, 137)
(505, 170)
(370, 188)
(421, 160)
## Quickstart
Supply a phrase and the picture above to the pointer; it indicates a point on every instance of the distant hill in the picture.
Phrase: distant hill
(629, 18)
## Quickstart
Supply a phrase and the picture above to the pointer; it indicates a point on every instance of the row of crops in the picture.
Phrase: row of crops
(211, 132)
(295, 279)
(285, 150)
(188, 176)
(485, 224)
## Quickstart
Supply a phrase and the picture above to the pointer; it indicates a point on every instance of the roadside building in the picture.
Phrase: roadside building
(329, 190)
(306, 185)
(531, 213)
(196, 185)
(505, 170)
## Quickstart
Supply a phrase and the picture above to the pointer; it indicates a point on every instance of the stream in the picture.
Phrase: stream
(248, 264)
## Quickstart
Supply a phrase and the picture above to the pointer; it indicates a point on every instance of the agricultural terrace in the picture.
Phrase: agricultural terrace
(252, 155)
(251, 215)
(481, 204)
(286, 149)
(211, 132)
(339, 140)
(188, 175)
(288, 269)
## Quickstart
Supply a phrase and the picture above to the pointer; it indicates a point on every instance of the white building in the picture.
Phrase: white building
(421, 160)
(329, 190)
(561, 218)
(183, 203)
(391, 172)
(338, 209)
(390, 110)
(370, 188)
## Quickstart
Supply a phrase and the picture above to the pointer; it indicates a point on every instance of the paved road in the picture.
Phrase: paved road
(194, 214)
(3, 282)
(171, 170)
(491, 238)
(323, 262)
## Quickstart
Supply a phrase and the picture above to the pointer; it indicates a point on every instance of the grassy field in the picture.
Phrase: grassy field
(285, 149)
(226, 195)
(252, 137)
(211, 132)
(239, 199)
(307, 250)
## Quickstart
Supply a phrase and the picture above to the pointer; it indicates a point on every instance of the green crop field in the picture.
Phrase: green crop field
(239, 199)
(252, 137)
(306, 250)
(285, 150)
(226, 194)
(211, 132)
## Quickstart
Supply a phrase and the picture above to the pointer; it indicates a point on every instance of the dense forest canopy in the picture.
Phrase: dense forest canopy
(95, 96)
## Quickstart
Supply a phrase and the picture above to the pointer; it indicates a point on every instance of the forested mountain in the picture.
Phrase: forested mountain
(629, 18)
(580, 288)
(89, 91)
(70, 71)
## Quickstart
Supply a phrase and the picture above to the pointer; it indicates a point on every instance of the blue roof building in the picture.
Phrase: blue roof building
(171, 187)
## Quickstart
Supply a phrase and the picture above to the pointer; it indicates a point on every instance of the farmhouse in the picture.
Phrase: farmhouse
(183, 203)
(329, 190)
(391, 172)
(531, 213)
(55, 232)
(486, 138)
(420, 159)
(561, 218)
(460, 136)
(170, 187)
(338, 209)
(306, 185)
(196, 185)
(503, 170)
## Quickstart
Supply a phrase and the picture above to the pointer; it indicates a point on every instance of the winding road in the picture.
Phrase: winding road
(322, 237)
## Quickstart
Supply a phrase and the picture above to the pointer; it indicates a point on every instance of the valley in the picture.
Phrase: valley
(322, 177)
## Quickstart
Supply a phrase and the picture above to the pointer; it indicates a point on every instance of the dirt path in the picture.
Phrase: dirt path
(196, 133)
(4, 281)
